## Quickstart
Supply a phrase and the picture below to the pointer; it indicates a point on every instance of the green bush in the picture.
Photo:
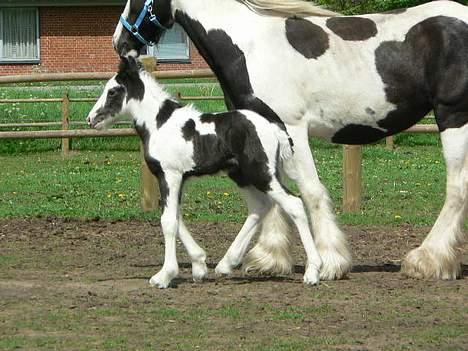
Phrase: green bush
(354, 7)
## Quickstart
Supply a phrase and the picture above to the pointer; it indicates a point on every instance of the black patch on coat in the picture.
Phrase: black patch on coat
(356, 134)
(236, 148)
(228, 63)
(167, 109)
(154, 166)
(352, 28)
(129, 77)
(429, 69)
(307, 38)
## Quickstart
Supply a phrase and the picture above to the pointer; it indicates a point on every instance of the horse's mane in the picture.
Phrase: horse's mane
(286, 8)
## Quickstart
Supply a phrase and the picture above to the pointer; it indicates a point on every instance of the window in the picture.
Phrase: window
(19, 34)
(173, 46)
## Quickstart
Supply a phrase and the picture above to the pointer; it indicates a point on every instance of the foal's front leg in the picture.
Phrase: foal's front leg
(170, 186)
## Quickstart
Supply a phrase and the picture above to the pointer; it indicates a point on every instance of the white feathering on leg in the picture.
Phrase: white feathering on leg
(272, 253)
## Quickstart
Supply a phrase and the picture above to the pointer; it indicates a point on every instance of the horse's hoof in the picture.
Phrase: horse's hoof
(422, 263)
(334, 265)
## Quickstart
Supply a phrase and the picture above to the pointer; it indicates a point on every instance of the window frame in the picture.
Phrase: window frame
(152, 51)
(36, 60)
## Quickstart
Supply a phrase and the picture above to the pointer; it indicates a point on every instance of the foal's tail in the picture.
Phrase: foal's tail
(286, 165)
(285, 145)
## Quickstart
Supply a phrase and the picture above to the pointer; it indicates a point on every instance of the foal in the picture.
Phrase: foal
(181, 142)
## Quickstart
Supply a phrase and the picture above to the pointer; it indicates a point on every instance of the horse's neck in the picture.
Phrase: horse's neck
(213, 13)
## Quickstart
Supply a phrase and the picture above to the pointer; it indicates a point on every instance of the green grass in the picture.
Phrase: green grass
(402, 186)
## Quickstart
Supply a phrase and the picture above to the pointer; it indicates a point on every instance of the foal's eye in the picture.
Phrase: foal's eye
(112, 93)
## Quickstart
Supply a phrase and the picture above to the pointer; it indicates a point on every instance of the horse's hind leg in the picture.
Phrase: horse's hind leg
(438, 256)
(330, 240)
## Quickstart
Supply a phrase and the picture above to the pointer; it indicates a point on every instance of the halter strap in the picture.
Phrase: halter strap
(135, 28)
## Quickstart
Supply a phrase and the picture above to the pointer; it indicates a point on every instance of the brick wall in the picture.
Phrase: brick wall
(79, 39)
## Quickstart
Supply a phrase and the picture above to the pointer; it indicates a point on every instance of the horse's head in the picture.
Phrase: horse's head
(142, 23)
(120, 91)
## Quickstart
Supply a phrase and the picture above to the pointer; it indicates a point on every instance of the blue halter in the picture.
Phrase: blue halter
(134, 29)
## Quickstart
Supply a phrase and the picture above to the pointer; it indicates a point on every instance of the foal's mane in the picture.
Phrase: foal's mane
(286, 8)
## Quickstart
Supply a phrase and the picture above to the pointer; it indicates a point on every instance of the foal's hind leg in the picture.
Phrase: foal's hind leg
(294, 208)
(196, 253)
(438, 256)
(258, 205)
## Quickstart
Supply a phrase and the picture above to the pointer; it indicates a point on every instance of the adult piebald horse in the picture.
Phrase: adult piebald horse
(351, 80)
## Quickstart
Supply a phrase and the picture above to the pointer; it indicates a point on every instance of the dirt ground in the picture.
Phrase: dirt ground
(82, 285)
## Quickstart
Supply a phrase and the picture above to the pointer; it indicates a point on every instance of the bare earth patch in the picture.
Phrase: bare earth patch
(82, 285)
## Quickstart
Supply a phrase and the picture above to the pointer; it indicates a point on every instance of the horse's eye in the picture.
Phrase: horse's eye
(112, 93)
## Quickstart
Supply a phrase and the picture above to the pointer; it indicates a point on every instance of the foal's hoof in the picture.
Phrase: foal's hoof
(161, 280)
(199, 271)
(312, 277)
(223, 268)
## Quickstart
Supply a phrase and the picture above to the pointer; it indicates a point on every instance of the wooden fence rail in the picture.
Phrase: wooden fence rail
(54, 77)
(352, 157)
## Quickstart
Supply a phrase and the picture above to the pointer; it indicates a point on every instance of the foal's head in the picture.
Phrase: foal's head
(121, 91)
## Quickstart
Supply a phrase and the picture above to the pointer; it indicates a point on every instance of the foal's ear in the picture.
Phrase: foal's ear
(129, 65)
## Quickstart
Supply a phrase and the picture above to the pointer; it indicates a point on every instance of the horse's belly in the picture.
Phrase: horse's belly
(347, 125)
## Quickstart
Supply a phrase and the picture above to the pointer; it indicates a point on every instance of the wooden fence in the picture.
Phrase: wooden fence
(352, 154)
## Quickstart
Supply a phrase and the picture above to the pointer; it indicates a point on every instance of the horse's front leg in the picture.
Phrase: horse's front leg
(170, 186)
(329, 239)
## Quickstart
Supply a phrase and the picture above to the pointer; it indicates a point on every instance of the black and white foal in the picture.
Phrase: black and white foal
(181, 142)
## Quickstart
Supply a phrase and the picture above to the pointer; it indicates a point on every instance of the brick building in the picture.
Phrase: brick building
(75, 36)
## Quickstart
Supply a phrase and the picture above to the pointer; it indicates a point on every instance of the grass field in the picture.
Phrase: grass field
(402, 186)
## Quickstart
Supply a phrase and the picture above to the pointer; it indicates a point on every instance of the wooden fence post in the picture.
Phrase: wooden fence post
(390, 142)
(65, 122)
(149, 187)
(352, 183)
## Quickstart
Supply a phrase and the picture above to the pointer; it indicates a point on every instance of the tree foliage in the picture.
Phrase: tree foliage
(352, 7)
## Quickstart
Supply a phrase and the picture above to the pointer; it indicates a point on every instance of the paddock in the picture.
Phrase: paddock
(71, 284)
